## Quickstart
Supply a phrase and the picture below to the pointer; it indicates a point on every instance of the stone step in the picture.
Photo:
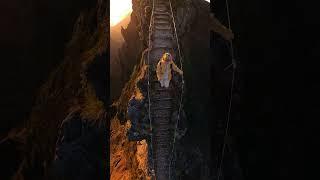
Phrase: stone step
(162, 89)
(161, 17)
(163, 127)
(163, 142)
(161, 108)
(159, 26)
(164, 13)
(162, 104)
(166, 3)
(161, 92)
(164, 153)
(162, 31)
(166, 44)
(164, 161)
(162, 5)
(164, 37)
(161, 8)
(165, 16)
(160, 51)
(165, 122)
(162, 113)
(169, 45)
(162, 22)
(157, 116)
(158, 41)
(161, 99)
(162, 135)
(162, 28)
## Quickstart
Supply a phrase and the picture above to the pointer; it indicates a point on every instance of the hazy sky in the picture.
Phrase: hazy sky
(119, 9)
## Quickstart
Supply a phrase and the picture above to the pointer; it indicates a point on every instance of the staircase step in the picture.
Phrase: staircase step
(161, 134)
(162, 42)
(165, 13)
(162, 3)
(162, 6)
(163, 46)
(168, 49)
(161, 108)
(155, 50)
(164, 16)
(162, 22)
(162, 93)
(161, 116)
(162, 31)
(163, 128)
(162, 27)
(158, 41)
(163, 89)
(162, 104)
(161, 9)
(162, 99)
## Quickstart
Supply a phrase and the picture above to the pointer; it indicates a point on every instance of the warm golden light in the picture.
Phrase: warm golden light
(119, 9)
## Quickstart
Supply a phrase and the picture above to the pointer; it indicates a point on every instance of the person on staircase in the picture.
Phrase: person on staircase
(163, 70)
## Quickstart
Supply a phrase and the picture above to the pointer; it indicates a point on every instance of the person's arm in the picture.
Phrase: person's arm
(158, 70)
(219, 28)
(175, 68)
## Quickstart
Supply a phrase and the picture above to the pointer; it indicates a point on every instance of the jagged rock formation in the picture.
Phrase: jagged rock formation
(77, 85)
(128, 159)
(33, 36)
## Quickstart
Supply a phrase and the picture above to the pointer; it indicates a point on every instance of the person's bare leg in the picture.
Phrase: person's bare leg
(167, 83)
(161, 82)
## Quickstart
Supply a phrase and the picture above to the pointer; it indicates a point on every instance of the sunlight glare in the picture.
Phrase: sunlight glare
(119, 9)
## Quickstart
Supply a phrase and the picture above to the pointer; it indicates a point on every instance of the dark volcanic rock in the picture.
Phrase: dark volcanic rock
(79, 150)
(77, 81)
(33, 38)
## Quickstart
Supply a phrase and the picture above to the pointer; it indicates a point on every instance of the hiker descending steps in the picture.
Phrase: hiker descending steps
(164, 67)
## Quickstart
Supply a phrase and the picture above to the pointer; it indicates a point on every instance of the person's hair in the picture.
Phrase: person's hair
(165, 56)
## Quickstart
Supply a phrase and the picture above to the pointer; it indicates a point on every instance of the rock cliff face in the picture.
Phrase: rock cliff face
(76, 85)
(33, 36)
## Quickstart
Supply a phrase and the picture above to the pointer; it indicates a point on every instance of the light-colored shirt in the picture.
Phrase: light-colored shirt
(166, 71)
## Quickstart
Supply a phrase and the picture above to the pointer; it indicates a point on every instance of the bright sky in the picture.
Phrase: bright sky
(119, 9)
